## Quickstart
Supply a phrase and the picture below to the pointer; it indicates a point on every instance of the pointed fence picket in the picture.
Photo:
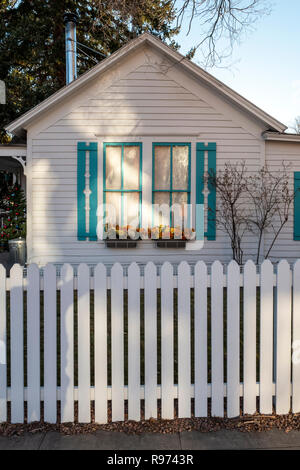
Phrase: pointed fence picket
(283, 339)
(17, 344)
(94, 328)
(217, 340)
(134, 343)
(117, 342)
(266, 338)
(233, 340)
(84, 366)
(184, 340)
(167, 342)
(33, 344)
(50, 344)
(296, 339)
(249, 338)
(67, 344)
(3, 346)
(200, 339)
(100, 343)
(150, 335)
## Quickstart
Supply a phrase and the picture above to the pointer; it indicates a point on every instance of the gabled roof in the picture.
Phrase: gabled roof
(16, 126)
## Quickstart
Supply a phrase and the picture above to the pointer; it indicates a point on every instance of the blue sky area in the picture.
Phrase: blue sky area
(265, 67)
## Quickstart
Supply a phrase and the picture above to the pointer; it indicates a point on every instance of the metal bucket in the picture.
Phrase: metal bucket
(17, 250)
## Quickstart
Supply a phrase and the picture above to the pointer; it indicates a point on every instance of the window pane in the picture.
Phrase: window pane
(114, 210)
(162, 167)
(180, 167)
(131, 175)
(163, 217)
(177, 214)
(131, 209)
(113, 167)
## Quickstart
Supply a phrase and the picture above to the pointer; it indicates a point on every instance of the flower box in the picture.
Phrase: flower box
(171, 243)
(120, 243)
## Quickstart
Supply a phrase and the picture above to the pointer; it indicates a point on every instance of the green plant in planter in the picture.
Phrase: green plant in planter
(14, 220)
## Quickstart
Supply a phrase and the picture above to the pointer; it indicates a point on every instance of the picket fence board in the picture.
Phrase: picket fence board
(50, 345)
(279, 340)
(200, 335)
(117, 342)
(33, 344)
(100, 346)
(184, 341)
(296, 339)
(249, 350)
(67, 344)
(134, 341)
(84, 367)
(266, 338)
(217, 342)
(3, 344)
(283, 342)
(167, 343)
(150, 334)
(17, 345)
(233, 340)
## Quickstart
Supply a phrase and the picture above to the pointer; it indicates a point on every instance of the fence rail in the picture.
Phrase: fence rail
(133, 345)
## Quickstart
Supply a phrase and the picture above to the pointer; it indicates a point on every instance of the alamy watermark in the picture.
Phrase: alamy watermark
(154, 222)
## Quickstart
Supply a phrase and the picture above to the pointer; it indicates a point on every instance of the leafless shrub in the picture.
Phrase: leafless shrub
(257, 203)
(230, 185)
(271, 198)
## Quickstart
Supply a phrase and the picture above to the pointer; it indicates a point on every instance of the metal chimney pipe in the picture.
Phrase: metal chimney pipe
(70, 21)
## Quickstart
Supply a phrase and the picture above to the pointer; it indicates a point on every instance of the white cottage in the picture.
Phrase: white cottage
(140, 127)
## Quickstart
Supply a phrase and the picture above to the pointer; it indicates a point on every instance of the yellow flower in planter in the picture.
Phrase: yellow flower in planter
(123, 233)
(177, 233)
(165, 234)
(144, 233)
(111, 232)
(155, 233)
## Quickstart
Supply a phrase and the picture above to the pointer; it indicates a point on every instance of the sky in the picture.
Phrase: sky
(265, 67)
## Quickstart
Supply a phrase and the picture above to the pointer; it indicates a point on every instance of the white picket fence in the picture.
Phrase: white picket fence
(261, 320)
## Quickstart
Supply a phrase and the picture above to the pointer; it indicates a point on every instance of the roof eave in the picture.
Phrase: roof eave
(281, 137)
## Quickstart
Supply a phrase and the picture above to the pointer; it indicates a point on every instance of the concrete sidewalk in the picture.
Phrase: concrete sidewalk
(101, 440)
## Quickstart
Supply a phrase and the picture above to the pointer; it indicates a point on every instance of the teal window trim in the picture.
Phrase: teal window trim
(297, 205)
(211, 150)
(171, 190)
(122, 190)
(82, 149)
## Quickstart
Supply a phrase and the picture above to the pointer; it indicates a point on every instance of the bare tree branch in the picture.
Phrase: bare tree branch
(271, 198)
(221, 23)
(230, 217)
(296, 125)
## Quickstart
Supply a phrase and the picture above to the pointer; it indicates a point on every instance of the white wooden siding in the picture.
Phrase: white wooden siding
(276, 154)
(145, 105)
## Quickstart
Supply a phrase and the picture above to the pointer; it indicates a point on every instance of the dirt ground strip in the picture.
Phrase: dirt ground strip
(257, 422)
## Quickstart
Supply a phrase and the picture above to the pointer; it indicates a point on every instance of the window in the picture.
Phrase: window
(123, 181)
(171, 175)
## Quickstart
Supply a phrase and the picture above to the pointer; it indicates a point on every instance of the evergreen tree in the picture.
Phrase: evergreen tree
(14, 221)
(32, 48)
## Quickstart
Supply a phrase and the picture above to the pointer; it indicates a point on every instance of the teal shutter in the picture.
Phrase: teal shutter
(84, 149)
(297, 206)
(211, 150)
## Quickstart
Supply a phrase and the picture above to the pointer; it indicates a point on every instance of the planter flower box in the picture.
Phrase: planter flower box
(171, 237)
(120, 237)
